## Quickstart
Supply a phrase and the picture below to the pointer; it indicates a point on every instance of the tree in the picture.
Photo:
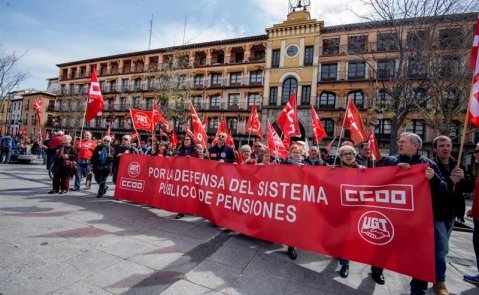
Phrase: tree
(10, 73)
(421, 63)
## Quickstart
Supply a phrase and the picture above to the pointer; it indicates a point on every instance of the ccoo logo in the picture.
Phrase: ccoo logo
(134, 169)
(375, 228)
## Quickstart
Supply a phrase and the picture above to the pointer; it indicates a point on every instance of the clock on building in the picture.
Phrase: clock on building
(292, 50)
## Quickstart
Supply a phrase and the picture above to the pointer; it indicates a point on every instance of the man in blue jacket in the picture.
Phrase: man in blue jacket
(409, 145)
(8, 145)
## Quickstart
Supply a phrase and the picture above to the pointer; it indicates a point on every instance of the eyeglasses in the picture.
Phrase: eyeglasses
(106, 140)
(347, 154)
(223, 136)
(125, 139)
(256, 146)
(187, 138)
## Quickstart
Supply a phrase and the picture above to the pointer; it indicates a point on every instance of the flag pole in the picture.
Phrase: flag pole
(466, 122)
(342, 129)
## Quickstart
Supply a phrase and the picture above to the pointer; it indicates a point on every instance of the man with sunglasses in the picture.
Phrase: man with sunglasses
(220, 151)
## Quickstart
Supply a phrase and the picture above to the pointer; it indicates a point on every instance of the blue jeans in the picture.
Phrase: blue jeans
(6, 155)
(82, 171)
(442, 232)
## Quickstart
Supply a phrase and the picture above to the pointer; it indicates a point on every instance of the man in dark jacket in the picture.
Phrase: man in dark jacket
(101, 160)
(409, 145)
(221, 152)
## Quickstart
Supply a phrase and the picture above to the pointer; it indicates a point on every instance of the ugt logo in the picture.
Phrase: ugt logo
(375, 228)
(142, 120)
(134, 169)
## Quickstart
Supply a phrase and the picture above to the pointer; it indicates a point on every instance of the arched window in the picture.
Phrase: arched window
(289, 85)
(327, 100)
(328, 125)
(358, 98)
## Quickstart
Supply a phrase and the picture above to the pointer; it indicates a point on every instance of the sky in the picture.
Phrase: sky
(51, 32)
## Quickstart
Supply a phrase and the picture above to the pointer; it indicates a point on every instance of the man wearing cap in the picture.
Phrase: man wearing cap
(84, 149)
(101, 160)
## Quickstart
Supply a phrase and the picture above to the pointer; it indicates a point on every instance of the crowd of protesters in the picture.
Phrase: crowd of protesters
(448, 181)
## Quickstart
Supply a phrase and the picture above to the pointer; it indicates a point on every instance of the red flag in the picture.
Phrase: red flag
(330, 145)
(108, 131)
(142, 120)
(253, 125)
(205, 121)
(95, 99)
(318, 131)
(229, 140)
(374, 153)
(222, 128)
(159, 118)
(275, 145)
(189, 133)
(352, 121)
(288, 119)
(134, 136)
(174, 140)
(474, 99)
(198, 128)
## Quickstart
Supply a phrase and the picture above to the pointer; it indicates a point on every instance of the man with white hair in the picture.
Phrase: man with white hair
(84, 149)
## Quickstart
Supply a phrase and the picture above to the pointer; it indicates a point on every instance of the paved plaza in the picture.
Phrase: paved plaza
(78, 244)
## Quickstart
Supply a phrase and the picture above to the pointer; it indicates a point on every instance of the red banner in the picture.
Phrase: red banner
(381, 216)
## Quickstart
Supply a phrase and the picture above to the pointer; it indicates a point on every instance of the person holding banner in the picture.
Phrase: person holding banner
(258, 150)
(362, 157)
(125, 147)
(220, 151)
(187, 149)
(246, 158)
(409, 145)
(101, 161)
(313, 158)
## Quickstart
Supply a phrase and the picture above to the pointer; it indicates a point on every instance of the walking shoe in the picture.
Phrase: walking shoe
(440, 288)
(99, 195)
(63, 192)
(378, 277)
(292, 253)
(105, 190)
(472, 279)
(53, 192)
(179, 215)
(75, 189)
(88, 187)
(344, 271)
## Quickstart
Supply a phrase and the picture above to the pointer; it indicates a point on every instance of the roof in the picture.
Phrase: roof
(172, 48)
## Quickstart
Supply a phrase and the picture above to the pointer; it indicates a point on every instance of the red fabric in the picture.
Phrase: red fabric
(474, 99)
(373, 146)
(352, 121)
(343, 213)
(174, 140)
(288, 120)
(159, 118)
(222, 128)
(56, 142)
(85, 148)
(318, 131)
(229, 140)
(198, 128)
(37, 104)
(330, 145)
(95, 99)
(142, 120)
(253, 125)
(275, 145)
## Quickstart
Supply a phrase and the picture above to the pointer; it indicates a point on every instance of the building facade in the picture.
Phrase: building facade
(224, 79)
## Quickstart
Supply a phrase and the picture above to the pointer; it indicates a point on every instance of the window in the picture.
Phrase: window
(220, 58)
(331, 46)
(358, 99)
(275, 57)
(136, 102)
(416, 68)
(113, 85)
(197, 101)
(213, 124)
(356, 70)
(305, 95)
(328, 125)
(254, 99)
(256, 78)
(455, 131)
(233, 100)
(239, 56)
(289, 85)
(357, 44)
(216, 79)
(123, 104)
(418, 127)
(384, 130)
(308, 55)
(215, 102)
(273, 96)
(329, 72)
(387, 41)
(420, 97)
(452, 97)
(232, 124)
(124, 84)
(450, 66)
(450, 38)
(148, 103)
(383, 99)
(416, 40)
(198, 81)
(235, 78)
(181, 81)
(386, 69)
(137, 84)
(327, 100)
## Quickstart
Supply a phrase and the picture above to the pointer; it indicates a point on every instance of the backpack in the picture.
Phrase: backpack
(103, 157)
